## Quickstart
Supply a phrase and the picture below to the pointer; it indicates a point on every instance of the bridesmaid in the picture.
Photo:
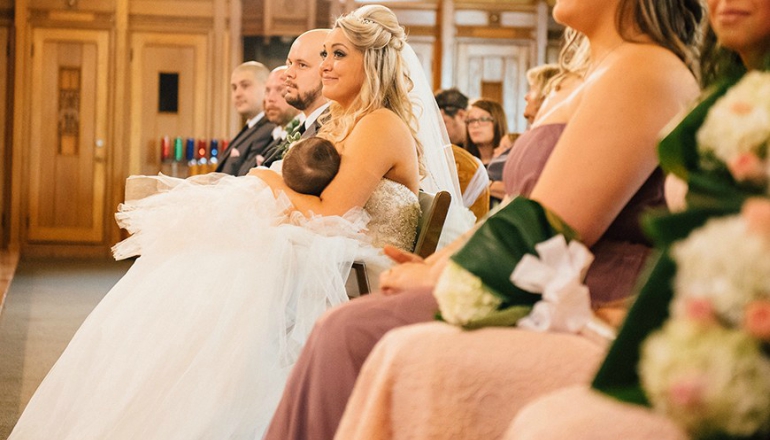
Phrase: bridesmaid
(602, 171)
(743, 31)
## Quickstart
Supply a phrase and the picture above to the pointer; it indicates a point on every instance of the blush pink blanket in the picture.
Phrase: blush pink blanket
(437, 381)
(579, 413)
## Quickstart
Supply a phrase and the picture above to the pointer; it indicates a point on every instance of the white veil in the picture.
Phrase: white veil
(437, 157)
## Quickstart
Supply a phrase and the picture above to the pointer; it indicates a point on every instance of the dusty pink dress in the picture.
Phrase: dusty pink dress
(434, 380)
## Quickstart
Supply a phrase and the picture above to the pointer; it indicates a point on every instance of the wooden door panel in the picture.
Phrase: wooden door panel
(68, 136)
(156, 54)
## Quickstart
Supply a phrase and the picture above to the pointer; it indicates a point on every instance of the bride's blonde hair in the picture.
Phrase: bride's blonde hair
(374, 30)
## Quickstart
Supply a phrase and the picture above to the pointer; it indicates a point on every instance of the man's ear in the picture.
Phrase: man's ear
(462, 113)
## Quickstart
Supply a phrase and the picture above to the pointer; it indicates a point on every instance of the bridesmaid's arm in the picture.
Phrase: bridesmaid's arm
(607, 150)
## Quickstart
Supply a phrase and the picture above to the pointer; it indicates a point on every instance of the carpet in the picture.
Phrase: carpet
(47, 301)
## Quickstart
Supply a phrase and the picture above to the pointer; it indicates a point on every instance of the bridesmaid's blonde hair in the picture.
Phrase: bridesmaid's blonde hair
(374, 30)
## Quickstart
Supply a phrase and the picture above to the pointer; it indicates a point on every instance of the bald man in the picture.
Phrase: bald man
(247, 90)
(303, 86)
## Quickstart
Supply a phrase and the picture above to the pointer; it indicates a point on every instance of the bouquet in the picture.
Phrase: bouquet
(708, 368)
(523, 267)
(695, 344)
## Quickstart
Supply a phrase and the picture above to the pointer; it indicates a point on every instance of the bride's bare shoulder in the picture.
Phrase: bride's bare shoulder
(382, 123)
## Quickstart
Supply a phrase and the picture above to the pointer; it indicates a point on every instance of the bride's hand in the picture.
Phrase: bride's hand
(412, 271)
(400, 256)
(406, 276)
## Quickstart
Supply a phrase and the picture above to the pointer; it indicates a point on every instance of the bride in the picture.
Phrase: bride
(196, 340)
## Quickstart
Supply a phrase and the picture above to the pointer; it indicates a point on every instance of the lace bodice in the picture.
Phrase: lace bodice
(394, 211)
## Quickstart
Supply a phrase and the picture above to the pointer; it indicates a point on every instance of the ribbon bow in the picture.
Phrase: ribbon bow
(558, 274)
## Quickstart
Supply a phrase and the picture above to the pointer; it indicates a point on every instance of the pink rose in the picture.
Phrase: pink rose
(756, 211)
(756, 319)
(747, 167)
(699, 310)
(686, 392)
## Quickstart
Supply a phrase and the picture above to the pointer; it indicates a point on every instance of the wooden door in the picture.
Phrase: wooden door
(68, 144)
(160, 62)
(496, 70)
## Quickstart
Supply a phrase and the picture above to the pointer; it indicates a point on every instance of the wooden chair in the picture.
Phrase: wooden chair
(434, 208)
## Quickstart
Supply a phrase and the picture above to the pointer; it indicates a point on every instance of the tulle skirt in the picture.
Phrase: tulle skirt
(197, 339)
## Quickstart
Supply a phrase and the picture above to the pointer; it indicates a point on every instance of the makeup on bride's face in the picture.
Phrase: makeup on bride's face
(342, 69)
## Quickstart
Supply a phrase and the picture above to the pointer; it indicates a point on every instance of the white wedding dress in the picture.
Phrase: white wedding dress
(196, 340)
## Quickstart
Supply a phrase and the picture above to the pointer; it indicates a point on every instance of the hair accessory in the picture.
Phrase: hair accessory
(363, 20)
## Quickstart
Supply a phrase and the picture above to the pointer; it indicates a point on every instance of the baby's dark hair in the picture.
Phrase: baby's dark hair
(310, 165)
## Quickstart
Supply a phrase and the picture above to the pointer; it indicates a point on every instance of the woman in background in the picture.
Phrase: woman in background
(487, 129)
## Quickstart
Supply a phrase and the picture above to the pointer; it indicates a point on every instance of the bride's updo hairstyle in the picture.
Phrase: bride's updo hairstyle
(374, 30)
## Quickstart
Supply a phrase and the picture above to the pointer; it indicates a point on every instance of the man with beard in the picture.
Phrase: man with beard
(303, 90)
(277, 111)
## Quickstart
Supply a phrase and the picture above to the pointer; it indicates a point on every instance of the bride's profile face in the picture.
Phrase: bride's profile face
(342, 69)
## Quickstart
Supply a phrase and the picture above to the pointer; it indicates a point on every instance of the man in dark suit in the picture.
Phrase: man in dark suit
(247, 85)
(277, 111)
(303, 90)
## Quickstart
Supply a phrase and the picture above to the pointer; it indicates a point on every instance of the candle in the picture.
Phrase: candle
(165, 148)
(201, 155)
(190, 149)
(178, 149)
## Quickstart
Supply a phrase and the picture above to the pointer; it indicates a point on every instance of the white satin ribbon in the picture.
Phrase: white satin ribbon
(558, 274)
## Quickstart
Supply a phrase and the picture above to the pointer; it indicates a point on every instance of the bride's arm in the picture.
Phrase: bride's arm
(379, 144)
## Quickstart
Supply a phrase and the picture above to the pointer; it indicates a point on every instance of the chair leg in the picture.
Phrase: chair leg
(361, 278)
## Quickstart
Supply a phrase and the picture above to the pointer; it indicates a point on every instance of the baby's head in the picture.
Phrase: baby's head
(310, 165)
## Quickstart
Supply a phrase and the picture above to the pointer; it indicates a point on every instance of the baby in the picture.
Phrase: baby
(310, 165)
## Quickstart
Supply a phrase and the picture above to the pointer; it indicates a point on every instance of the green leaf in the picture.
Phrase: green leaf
(499, 244)
(507, 317)
(617, 375)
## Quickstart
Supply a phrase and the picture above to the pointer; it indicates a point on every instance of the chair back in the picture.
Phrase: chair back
(468, 167)
(434, 209)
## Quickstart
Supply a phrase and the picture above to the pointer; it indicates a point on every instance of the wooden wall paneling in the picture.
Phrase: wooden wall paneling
(153, 53)
(77, 5)
(20, 119)
(180, 8)
(495, 61)
(5, 170)
(120, 127)
(67, 179)
(289, 17)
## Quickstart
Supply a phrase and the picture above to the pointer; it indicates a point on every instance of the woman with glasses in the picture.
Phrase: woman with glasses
(486, 128)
